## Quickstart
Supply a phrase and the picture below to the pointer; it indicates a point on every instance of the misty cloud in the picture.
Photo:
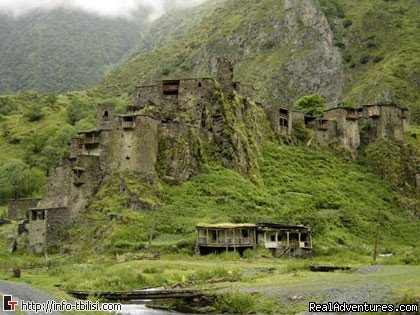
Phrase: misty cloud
(111, 8)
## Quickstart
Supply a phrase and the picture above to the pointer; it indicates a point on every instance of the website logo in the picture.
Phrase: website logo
(8, 304)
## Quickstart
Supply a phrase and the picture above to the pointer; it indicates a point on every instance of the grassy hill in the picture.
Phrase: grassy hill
(338, 200)
(62, 49)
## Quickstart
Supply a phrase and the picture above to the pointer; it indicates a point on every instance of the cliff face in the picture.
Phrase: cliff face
(284, 48)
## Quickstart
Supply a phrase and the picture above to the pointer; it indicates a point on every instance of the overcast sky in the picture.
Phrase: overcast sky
(102, 7)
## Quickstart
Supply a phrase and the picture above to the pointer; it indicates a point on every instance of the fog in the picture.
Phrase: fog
(111, 8)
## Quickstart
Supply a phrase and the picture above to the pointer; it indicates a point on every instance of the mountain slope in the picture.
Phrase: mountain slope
(61, 50)
(351, 51)
(284, 48)
(380, 44)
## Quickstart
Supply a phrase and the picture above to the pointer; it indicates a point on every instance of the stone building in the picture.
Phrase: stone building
(17, 209)
(340, 125)
(281, 119)
(383, 121)
(345, 126)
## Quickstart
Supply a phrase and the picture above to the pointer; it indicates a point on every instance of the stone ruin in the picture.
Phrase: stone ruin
(158, 135)
(346, 127)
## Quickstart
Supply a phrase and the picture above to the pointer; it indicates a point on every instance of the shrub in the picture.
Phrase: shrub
(34, 112)
(313, 104)
(347, 23)
(364, 59)
(378, 58)
(235, 303)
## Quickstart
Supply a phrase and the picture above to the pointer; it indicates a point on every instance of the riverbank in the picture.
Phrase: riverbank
(251, 284)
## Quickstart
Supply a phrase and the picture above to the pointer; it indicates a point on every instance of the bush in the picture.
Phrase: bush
(364, 59)
(347, 23)
(34, 112)
(18, 180)
(235, 303)
(313, 104)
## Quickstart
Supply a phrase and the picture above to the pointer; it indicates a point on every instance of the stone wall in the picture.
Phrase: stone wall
(18, 208)
(383, 121)
(344, 126)
(346, 132)
(131, 148)
(45, 227)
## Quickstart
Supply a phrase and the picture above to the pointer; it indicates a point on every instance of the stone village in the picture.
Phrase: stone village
(148, 135)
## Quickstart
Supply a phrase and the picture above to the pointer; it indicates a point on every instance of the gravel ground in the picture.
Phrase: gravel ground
(24, 292)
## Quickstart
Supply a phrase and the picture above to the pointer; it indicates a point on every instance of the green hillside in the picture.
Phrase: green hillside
(300, 186)
(62, 49)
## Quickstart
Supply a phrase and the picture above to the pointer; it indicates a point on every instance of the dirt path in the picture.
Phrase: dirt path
(24, 292)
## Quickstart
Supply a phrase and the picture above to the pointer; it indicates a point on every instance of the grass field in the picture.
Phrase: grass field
(279, 286)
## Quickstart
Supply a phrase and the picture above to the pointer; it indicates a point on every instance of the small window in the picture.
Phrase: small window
(284, 122)
(33, 215)
(273, 238)
(106, 115)
(199, 84)
(245, 233)
(41, 215)
(213, 235)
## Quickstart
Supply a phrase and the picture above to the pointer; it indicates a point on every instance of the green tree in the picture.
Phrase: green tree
(18, 180)
(313, 104)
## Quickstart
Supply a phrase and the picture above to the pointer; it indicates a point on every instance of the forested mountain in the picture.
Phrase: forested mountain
(62, 49)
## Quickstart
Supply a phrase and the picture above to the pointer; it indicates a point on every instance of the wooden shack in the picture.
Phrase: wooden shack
(225, 237)
(280, 239)
(283, 239)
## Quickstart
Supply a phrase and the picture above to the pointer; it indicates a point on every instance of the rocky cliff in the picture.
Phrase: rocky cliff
(284, 48)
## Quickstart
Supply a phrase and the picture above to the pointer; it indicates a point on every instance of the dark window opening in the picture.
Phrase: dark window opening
(284, 122)
(213, 235)
(273, 238)
(309, 119)
(203, 119)
(33, 215)
(303, 237)
(199, 84)
(245, 233)
(41, 215)
(171, 88)
(106, 115)
(127, 158)
(128, 122)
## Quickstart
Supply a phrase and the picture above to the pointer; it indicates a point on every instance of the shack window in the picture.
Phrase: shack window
(199, 84)
(33, 215)
(213, 235)
(106, 115)
(273, 238)
(245, 233)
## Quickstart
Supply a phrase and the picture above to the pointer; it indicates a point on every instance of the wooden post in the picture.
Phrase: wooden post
(299, 240)
(375, 251)
(226, 241)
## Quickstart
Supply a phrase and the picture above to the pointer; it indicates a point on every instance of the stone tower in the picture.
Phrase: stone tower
(225, 73)
(105, 116)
